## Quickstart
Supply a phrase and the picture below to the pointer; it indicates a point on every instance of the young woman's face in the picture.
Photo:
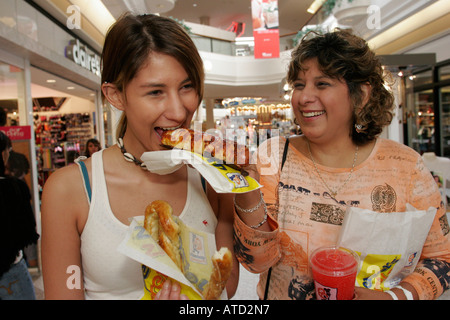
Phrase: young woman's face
(321, 104)
(161, 96)
(92, 148)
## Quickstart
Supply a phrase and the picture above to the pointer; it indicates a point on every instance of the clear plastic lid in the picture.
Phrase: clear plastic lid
(334, 261)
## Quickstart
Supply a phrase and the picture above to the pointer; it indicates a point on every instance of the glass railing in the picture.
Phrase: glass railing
(240, 47)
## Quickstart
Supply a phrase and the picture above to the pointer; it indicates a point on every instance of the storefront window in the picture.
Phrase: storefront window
(11, 93)
(422, 78)
(64, 120)
(445, 107)
(423, 138)
(444, 73)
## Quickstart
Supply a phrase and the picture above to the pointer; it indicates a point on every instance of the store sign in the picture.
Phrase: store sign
(265, 28)
(17, 132)
(79, 54)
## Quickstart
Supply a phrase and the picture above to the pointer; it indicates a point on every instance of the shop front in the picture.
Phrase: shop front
(50, 92)
(428, 115)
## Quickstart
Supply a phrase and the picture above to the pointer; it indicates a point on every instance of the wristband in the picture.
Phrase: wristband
(408, 294)
(392, 294)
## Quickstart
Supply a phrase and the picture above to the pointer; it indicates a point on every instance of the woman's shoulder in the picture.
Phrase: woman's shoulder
(65, 181)
(390, 153)
(392, 147)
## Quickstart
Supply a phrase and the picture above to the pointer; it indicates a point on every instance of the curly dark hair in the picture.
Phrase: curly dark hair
(344, 56)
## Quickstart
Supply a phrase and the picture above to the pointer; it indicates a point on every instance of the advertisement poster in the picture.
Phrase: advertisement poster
(265, 28)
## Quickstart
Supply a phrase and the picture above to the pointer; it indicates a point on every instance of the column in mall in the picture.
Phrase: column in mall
(26, 119)
(210, 124)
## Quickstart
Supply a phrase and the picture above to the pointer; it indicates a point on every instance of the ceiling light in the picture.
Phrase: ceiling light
(315, 6)
(159, 5)
(70, 88)
(51, 81)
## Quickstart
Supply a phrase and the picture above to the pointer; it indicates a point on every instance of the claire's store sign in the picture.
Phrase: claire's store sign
(17, 132)
(78, 53)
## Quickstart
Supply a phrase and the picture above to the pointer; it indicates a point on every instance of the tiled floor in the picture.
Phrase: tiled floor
(38, 284)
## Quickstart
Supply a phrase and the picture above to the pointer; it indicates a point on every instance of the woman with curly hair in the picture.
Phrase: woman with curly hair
(341, 102)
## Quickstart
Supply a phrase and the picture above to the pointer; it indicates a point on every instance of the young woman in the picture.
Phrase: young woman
(341, 104)
(92, 145)
(152, 72)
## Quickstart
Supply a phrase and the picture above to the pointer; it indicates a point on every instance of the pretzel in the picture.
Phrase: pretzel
(227, 151)
(163, 229)
(222, 265)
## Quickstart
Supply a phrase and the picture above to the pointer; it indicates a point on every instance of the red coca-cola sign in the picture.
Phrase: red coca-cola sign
(17, 132)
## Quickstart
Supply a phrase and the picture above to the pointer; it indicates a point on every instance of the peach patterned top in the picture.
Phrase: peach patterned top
(305, 216)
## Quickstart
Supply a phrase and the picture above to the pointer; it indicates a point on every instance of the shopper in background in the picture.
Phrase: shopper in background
(18, 166)
(92, 145)
(17, 230)
(152, 72)
(341, 104)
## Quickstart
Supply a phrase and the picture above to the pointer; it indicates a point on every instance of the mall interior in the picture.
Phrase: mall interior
(50, 73)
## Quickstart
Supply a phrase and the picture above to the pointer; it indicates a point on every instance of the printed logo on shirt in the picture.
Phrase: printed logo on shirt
(443, 221)
(327, 213)
(384, 198)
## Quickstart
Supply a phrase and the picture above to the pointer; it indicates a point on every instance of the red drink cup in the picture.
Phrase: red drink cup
(334, 271)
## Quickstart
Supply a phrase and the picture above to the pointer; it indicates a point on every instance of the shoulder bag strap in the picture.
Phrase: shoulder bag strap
(283, 160)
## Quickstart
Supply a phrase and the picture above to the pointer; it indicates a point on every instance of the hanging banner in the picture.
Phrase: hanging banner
(265, 28)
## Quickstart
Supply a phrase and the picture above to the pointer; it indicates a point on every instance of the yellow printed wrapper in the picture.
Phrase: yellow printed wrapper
(197, 249)
(375, 269)
(222, 178)
(154, 280)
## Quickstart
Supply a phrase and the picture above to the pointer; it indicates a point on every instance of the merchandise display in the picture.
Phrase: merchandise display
(60, 139)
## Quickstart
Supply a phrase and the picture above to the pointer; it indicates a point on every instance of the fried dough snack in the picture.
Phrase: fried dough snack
(205, 144)
(222, 265)
(164, 230)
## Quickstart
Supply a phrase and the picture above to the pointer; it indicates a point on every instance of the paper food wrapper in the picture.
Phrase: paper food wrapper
(220, 176)
(197, 249)
(389, 244)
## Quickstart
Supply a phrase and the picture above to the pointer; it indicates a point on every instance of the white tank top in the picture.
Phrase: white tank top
(107, 273)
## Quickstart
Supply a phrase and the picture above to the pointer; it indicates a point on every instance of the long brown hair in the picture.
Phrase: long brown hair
(344, 56)
(130, 41)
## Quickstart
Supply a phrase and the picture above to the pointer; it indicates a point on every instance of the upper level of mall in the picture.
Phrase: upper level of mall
(41, 32)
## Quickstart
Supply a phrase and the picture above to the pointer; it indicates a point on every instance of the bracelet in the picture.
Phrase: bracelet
(392, 294)
(408, 294)
(263, 220)
(261, 201)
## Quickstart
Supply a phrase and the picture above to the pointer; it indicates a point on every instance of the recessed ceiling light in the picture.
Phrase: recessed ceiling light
(51, 81)
(70, 88)
(194, 5)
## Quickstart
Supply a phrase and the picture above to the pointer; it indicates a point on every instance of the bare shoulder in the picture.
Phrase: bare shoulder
(64, 198)
(63, 182)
